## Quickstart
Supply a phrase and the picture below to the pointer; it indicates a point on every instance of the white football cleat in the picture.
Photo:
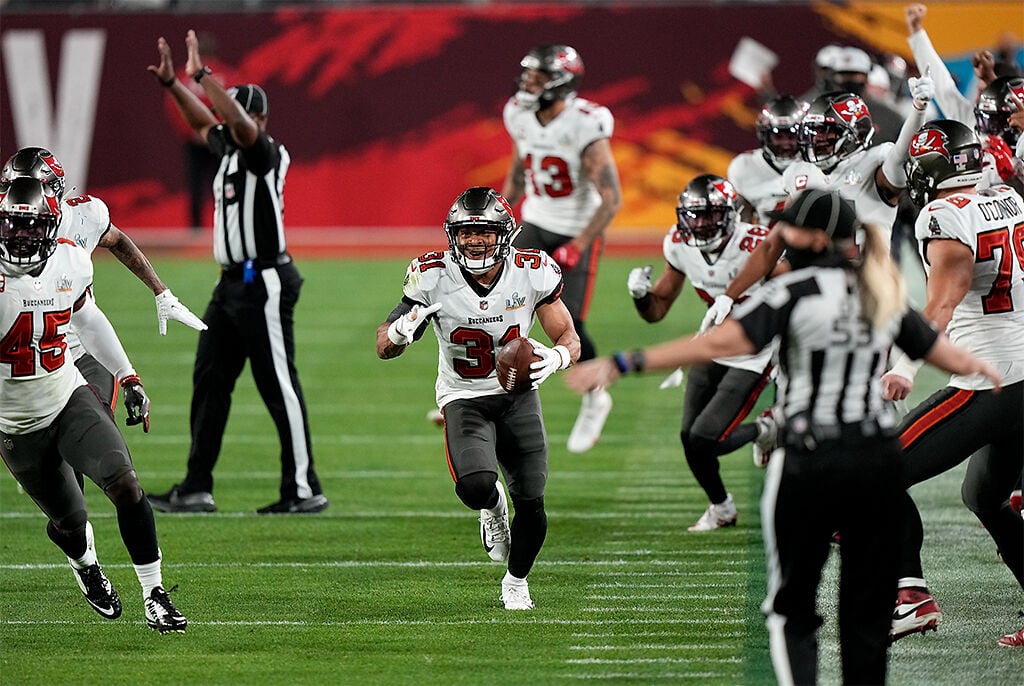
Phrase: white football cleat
(593, 413)
(515, 593)
(495, 534)
(434, 416)
(717, 516)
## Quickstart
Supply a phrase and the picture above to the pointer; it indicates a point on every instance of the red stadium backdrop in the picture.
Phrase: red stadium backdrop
(389, 112)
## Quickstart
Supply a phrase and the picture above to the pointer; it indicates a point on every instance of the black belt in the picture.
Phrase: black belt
(239, 267)
(801, 433)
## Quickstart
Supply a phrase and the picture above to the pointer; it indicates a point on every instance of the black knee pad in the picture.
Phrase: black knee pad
(476, 490)
(125, 489)
(697, 447)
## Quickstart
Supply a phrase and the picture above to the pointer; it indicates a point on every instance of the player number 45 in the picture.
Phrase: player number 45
(17, 350)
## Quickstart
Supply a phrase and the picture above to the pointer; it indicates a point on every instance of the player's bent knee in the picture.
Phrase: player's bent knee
(125, 489)
(476, 490)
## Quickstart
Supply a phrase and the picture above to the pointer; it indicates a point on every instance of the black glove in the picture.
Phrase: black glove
(136, 402)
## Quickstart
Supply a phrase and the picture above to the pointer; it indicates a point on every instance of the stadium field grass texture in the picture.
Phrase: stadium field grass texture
(390, 584)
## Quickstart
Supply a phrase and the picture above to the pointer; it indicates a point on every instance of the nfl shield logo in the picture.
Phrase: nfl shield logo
(483, 305)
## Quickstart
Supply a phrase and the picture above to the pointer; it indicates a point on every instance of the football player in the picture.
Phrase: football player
(562, 164)
(989, 115)
(85, 220)
(51, 421)
(970, 241)
(479, 294)
(757, 174)
(835, 138)
(709, 244)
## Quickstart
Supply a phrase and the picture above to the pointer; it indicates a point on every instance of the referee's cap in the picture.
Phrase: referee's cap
(820, 209)
(252, 98)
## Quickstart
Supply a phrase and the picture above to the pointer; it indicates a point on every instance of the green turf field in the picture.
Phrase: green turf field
(390, 585)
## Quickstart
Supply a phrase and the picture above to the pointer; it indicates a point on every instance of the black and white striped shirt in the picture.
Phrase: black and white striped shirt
(831, 360)
(248, 194)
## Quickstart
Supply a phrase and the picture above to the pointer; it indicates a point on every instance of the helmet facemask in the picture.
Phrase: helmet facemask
(29, 216)
(706, 212)
(480, 230)
(994, 107)
(563, 69)
(778, 130)
(837, 126)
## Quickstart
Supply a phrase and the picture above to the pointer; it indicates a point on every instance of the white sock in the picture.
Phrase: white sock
(513, 580)
(502, 507)
(149, 576)
(912, 582)
(89, 556)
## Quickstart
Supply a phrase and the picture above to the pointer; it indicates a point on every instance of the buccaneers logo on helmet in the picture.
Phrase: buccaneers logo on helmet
(929, 141)
(851, 110)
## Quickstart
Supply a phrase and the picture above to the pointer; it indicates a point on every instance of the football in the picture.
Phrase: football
(514, 361)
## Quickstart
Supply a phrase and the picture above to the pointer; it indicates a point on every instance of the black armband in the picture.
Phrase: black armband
(198, 76)
(621, 363)
(169, 82)
(634, 363)
(642, 304)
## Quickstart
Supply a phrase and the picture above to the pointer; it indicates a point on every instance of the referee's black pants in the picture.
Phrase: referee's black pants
(852, 485)
(255, 322)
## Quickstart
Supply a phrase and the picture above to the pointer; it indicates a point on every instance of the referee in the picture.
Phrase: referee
(251, 313)
(840, 468)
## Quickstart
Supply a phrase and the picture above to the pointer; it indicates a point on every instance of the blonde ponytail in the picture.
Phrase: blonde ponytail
(882, 292)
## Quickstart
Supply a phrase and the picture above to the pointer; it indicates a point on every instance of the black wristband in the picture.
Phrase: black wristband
(621, 363)
(638, 360)
(169, 82)
(198, 76)
(642, 304)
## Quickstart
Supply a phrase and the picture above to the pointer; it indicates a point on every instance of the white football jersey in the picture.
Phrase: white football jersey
(758, 182)
(711, 279)
(83, 220)
(559, 198)
(474, 322)
(989, 321)
(854, 179)
(37, 375)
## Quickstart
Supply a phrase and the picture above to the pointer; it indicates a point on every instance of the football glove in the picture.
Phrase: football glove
(403, 330)
(168, 307)
(552, 359)
(922, 89)
(135, 402)
(567, 256)
(639, 281)
(717, 313)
